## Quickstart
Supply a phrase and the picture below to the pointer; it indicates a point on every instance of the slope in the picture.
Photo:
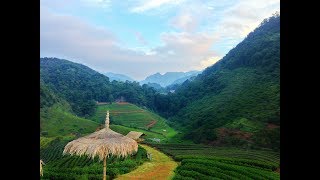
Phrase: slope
(56, 117)
(128, 116)
(243, 84)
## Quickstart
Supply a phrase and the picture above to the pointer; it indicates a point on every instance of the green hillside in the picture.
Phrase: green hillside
(244, 84)
(57, 118)
(76, 83)
(59, 122)
(82, 86)
(131, 116)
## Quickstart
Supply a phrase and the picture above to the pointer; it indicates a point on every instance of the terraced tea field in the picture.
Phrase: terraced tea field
(206, 162)
(132, 116)
(58, 166)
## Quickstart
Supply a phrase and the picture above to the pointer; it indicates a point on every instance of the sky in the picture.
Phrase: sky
(142, 37)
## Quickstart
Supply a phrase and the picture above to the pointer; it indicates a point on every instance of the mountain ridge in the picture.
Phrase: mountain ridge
(118, 77)
(168, 78)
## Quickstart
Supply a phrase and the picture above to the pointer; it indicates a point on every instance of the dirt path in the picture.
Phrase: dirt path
(161, 167)
(152, 123)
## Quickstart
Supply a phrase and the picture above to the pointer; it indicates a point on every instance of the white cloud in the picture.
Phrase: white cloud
(69, 37)
(191, 15)
(209, 61)
(245, 16)
(184, 22)
(146, 5)
(189, 48)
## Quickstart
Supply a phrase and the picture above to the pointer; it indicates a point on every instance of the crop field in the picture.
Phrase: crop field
(59, 166)
(44, 142)
(206, 162)
(132, 116)
(60, 123)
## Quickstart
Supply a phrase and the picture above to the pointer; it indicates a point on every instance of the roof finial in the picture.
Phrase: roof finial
(107, 120)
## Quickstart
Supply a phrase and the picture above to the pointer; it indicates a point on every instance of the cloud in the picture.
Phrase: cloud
(209, 61)
(191, 16)
(186, 43)
(69, 37)
(245, 16)
(184, 22)
(140, 38)
(241, 18)
(185, 50)
(72, 38)
(200, 28)
(146, 5)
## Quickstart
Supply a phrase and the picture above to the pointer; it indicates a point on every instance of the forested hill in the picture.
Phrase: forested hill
(81, 86)
(76, 83)
(241, 92)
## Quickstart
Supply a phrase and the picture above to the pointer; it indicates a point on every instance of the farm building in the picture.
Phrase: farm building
(120, 99)
(136, 135)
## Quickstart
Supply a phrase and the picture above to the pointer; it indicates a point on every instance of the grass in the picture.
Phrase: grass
(207, 162)
(58, 122)
(132, 116)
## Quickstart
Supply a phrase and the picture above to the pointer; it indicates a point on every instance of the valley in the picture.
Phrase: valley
(223, 123)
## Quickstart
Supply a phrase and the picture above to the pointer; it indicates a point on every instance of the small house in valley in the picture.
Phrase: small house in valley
(137, 136)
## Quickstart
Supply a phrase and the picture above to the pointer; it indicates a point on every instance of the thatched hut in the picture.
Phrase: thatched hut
(135, 135)
(102, 143)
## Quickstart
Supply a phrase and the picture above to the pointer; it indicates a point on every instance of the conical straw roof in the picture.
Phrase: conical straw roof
(102, 144)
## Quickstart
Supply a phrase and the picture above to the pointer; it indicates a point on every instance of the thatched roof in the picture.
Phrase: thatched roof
(102, 144)
(134, 135)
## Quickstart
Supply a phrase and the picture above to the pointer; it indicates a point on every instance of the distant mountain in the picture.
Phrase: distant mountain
(118, 77)
(168, 78)
(155, 86)
(183, 79)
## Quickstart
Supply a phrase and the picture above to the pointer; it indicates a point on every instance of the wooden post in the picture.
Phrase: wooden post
(105, 168)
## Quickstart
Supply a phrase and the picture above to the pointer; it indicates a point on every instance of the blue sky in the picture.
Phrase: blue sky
(142, 37)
